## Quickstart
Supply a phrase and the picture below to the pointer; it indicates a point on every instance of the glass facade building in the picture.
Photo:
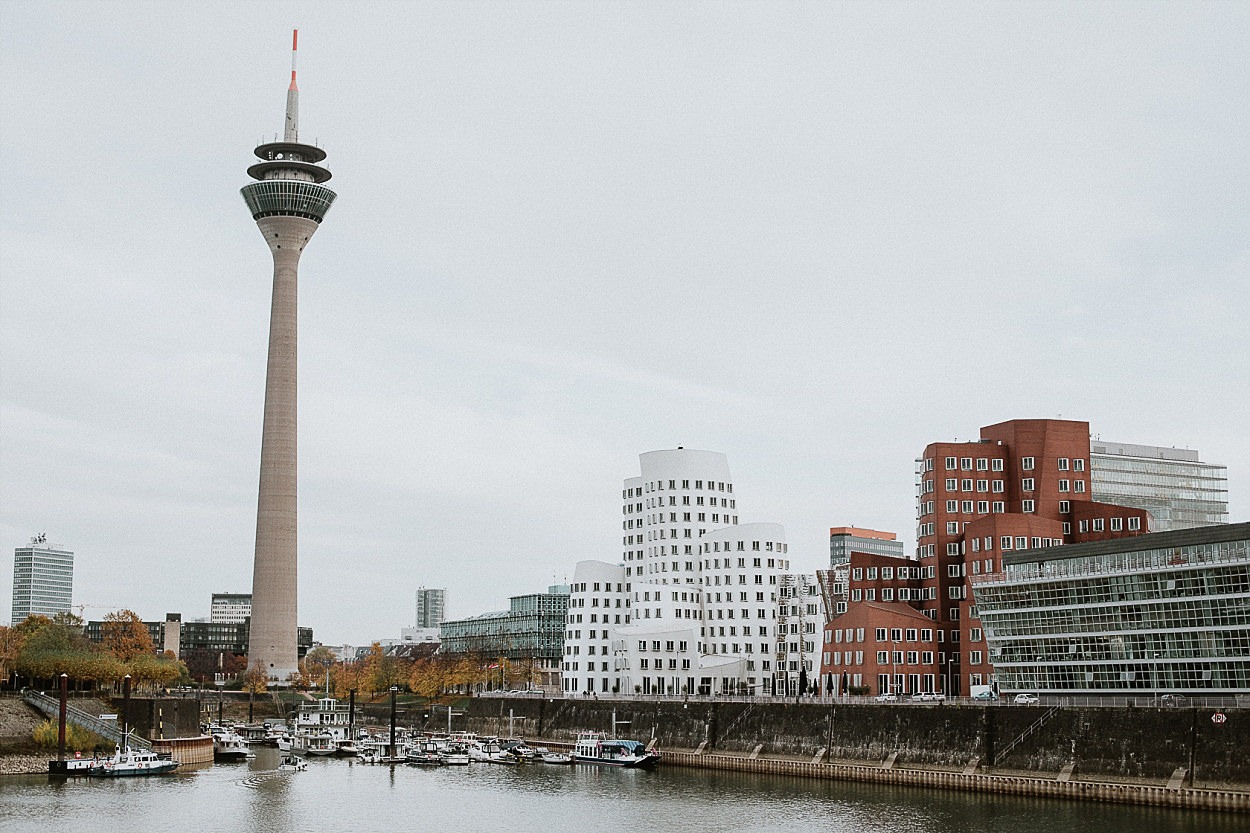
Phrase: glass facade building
(1172, 484)
(43, 580)
(532, 627)
(1165, 613)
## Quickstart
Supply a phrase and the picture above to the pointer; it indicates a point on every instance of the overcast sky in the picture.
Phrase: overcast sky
(812, 236)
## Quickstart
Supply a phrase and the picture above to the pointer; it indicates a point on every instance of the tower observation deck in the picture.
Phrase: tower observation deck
(288, 202)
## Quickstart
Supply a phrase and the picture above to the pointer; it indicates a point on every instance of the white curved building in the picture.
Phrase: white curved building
(692, 607)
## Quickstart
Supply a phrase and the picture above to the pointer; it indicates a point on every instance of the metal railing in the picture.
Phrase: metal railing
(107, 729)
(1033, 727)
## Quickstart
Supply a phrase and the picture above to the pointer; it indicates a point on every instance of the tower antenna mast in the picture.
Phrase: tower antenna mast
(292, 95)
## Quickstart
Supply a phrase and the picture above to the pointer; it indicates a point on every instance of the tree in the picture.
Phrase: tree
(317, 662)
(125, 636)
(10, 646)
(254, 680)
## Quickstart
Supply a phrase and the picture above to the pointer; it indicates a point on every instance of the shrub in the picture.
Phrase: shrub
(45, 736)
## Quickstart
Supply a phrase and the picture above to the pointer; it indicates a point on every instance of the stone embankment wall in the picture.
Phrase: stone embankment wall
(1111, 743)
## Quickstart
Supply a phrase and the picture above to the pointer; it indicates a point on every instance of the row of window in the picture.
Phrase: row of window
(996, 464)
(658, 485)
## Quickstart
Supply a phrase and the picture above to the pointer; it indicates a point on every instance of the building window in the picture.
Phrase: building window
(966, 464)
(983, 485)
(1078, 486)
(1063, 464)
(1117, 524)
(1098, 524)
(999, 507)
(996, 465)
(983, 507)
(1027, 484)
(997, 487)
(1026, 464)
(952, 485)
(1027, 506)
(983, 464)
(1134, 524)
(1078, 464)
(974, 657)
(951, 464)
(1065, 506)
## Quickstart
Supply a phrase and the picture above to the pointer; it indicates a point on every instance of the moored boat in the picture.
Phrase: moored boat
(127, 762)
(228, 745)
(597, 748)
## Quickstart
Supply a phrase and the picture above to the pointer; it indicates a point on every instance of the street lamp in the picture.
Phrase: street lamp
(1039, 676)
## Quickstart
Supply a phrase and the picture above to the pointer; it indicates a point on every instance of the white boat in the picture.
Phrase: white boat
(548, 757)
(455, 754)
(228, 745)
(346, 748)
(127, 761)
(290, 763)
(487, 751)
(314, 743)
(597, 748)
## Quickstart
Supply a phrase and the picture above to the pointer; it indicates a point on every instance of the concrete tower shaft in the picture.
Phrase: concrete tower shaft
(287, 202)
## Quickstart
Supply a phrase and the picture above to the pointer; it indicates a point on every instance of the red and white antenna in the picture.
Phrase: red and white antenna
(291, 134)
(294, 52)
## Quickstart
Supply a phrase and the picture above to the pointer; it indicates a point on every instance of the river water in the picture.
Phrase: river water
(343, 795)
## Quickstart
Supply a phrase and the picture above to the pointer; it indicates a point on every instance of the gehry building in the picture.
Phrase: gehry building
(692, 606)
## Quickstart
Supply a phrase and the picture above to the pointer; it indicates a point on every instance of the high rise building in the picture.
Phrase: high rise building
(43, 579)
(431, 606)
(1172, 484)
(288, 202)
(693, 605)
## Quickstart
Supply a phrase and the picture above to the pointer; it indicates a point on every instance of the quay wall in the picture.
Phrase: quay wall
(194, 750)
(1099, 742)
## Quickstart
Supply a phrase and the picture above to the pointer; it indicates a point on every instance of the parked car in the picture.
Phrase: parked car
(929, 697)
(1174, 700)
(1026, 699)
(886, 697)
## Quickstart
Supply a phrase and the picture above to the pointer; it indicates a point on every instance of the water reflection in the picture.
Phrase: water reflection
(345, 795)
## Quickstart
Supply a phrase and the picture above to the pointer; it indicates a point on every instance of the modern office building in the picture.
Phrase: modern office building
(288, 202)
(692, 607)
(230, 608)
(1172, 484)
(43, 579)
(1166, 613)
(431, 605)
(843, 540)
(531, 627)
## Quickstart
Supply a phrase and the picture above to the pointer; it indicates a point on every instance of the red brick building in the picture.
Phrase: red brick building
(1024, 484)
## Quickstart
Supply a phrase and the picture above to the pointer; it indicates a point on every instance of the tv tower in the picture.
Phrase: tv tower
(288, 201)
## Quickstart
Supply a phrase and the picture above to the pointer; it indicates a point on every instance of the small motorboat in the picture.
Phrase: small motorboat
(290, 763)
